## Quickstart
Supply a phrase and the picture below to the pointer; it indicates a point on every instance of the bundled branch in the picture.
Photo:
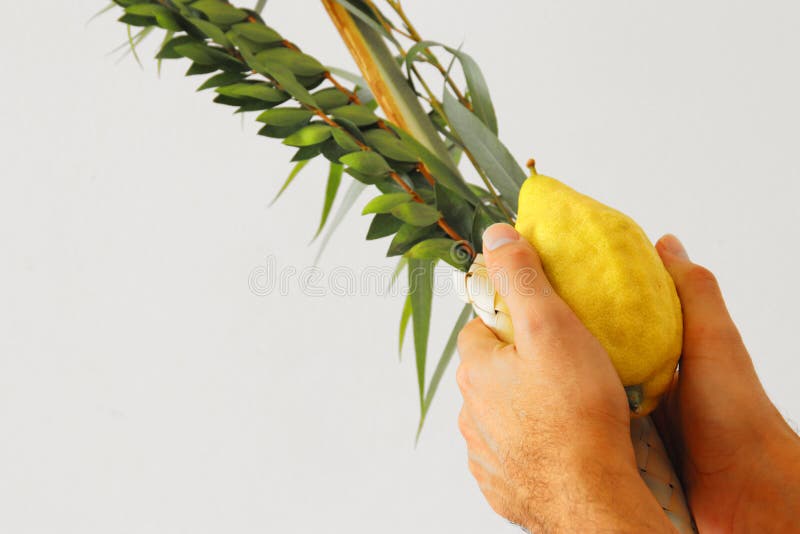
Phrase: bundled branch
(410, 156)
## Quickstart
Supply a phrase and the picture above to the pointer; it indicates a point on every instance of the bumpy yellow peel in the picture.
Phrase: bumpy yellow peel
(604, 266)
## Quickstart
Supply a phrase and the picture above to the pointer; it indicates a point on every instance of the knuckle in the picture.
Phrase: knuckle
(518, 257)
(463, 422)
(462, 378)
(701, 278)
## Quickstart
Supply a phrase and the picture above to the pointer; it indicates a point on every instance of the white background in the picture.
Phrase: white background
(145, 389)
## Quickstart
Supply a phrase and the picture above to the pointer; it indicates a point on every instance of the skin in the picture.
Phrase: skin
(546, 420)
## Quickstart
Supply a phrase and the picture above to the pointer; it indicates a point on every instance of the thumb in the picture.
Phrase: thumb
(709, 331)
(516, 271)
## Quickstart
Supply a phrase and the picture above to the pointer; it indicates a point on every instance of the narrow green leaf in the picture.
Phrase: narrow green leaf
(444, 361)
(292, 175)
(133, 47)
(260, 5)
(367, 18)
(332, 187)
(102, 11)
(476, 83)
(386, 203)
(370, 163)
(285, 116)
(406, 315)
(420, 288)
(358, 115)
(416, 213)
(491, 155)
(383, 225)
(309, 135)
(351, 195)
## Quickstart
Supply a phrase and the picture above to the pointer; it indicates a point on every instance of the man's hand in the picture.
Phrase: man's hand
(739, 460)
(546, 420)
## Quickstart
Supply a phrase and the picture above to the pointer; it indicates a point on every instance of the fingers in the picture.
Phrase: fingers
(517, 274)
(476, 341)
(709, 331)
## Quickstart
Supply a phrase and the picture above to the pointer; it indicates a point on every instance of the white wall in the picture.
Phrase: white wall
(145, 389)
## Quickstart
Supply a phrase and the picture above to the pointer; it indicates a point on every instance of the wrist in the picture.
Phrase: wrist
(603, 492)
(772, 500)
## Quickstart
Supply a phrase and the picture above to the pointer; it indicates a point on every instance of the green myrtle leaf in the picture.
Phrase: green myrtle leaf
(330, 98)
(441, 248)
(480, 222)
(444, 361)
(332, 151)
(279, 132)
(440, 170)
(456, 211)
(285, 78)
(331, 188)
(299, 166)
(136, 20)
(210, 30)
(385, 203)
(195, 69)
(163, 16)
(416, 213)
(420, 287)
(298, 63)
(309, 135)
(307, 152)
(358, 115)
(491, 155)
(351, 128)
(220, 12)
(345, 140)
(409, 235)
(168, 48)
(370, 163)
(390, 145)
(383, 225)
(258, 91)
(285, 116)
(368, 179)
(257, 33)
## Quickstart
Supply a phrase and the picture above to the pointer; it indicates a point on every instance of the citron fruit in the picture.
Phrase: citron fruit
(606, 269)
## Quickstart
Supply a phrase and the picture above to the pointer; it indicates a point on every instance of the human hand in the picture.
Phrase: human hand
(546, 420)
(739, 460)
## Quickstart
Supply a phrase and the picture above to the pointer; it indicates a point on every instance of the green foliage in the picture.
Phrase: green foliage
(251, 67)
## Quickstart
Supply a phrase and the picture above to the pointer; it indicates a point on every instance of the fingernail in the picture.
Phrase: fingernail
(673, 245)
(499, 234)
